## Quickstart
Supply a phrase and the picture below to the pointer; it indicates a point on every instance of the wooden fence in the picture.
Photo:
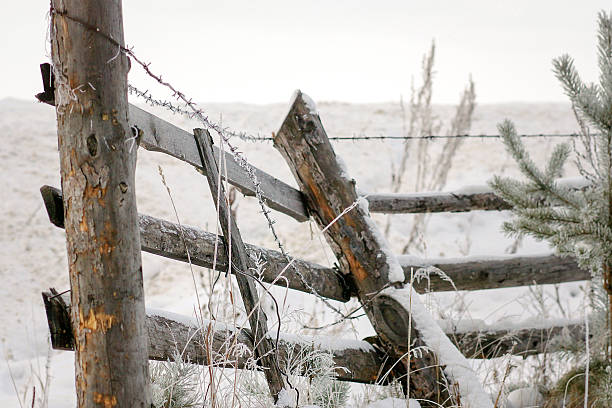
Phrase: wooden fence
(366, 270)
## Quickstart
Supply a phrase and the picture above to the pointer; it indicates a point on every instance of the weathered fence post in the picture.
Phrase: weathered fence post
(98, 159)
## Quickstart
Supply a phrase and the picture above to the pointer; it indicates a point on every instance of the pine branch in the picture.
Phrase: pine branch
(554, 168)
(586, 99)
(517, 193)
(604, 51)
(547, 187)
(549, 215)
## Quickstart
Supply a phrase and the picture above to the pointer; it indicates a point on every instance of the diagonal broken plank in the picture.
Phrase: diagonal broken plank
(363, 253)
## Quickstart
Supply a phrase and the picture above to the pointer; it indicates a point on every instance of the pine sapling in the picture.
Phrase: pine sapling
(576, 221)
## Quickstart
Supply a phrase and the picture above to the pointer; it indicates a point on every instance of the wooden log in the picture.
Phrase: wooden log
(435, 202)
(359, 248)
(492, 273)
(165, 238)
(58, 318)
(157, 135)
(97, 165)
(241, 266)
(458, 201)
(356, 361)
(54, 204)
(482, 343)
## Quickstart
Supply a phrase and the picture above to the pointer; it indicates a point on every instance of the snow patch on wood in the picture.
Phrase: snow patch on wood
(326, 343)
(178, 318)
(410, 260)
(480, 326)
(310, 104)
(473, 189)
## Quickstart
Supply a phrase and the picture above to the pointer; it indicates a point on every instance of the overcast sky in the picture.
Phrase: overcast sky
(355, 51)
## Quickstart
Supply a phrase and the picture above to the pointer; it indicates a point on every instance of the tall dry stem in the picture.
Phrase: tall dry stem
(430, 172)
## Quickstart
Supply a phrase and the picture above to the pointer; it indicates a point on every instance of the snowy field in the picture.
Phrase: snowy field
(33, 254)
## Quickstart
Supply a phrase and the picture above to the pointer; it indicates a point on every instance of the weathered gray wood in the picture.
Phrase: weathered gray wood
(161, 136)
(97, 165)
(493, 273)
(58, 319)
(460, 201)
(241, 266)
(356, 361)
(435, 202)
(523, 342)
(54, 204)
(358, 248)
(165, 238)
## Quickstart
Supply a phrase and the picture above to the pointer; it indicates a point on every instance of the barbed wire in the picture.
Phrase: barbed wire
(150, 100)
(359, 137)
(194, 111)
(227, 133)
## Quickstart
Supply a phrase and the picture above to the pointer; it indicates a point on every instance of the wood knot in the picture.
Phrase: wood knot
(92, 145)
(392, 319)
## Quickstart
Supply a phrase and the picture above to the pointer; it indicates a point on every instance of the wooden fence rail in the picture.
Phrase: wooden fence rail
(473, 273)
(242, 268)
(435, 202)
(161, 136)
(167, 239)
(357, 360)
(158, 135)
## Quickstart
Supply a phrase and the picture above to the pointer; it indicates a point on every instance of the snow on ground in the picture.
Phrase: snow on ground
(32, 251)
